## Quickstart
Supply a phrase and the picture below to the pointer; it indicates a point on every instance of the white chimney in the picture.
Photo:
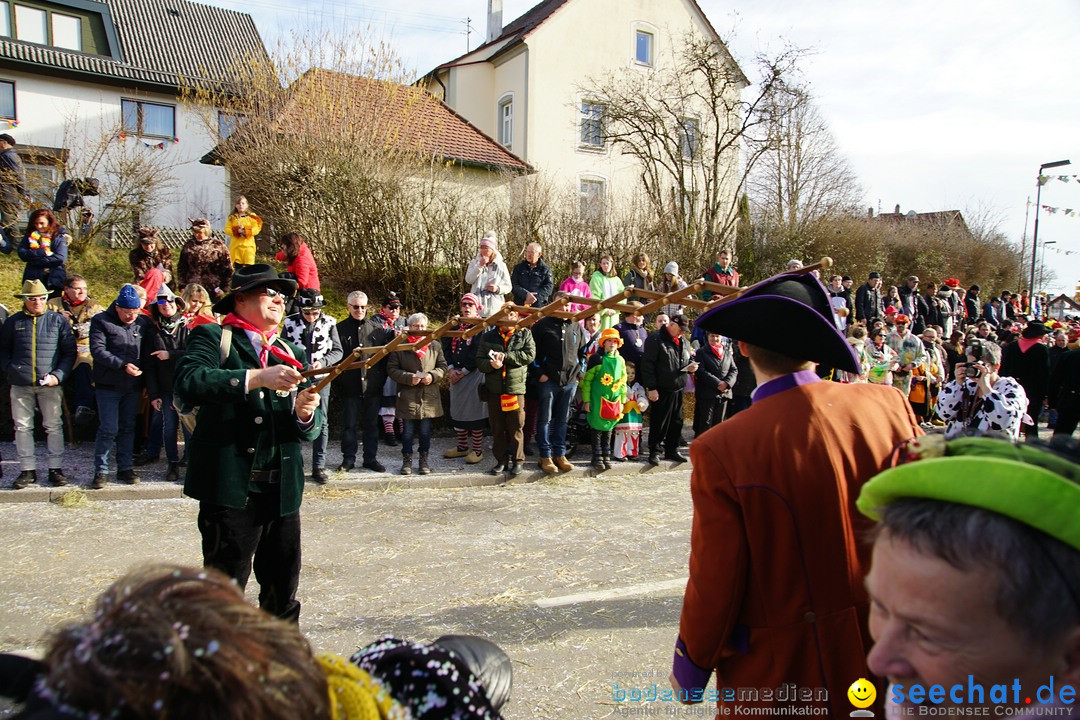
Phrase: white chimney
(494, 26)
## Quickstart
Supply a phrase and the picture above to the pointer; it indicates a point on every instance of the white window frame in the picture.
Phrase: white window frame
(231, 120)
(637, 28)
(78, 31)
(690, 146)
(138, 130)
(5, 19)
(504, 121)
(592, 208)
(26, 11)
(587, 115)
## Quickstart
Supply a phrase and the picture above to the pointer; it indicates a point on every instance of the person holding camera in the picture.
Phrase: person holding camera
(979, 398)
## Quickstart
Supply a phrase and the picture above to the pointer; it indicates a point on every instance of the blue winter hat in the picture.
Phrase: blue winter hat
(128, 298)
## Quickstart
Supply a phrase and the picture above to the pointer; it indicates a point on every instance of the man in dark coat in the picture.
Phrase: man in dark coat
(1064, 393)
(245, 465)
(869, 305)
(12, 191)
(560, 348)
(532, 281)
(116, 344)
(351, 386)
(1028, 360)
(665, 365)
(37, 351)
(715, 376)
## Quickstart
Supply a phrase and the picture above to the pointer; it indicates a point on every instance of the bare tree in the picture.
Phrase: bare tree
(697, 129)
(801, 177)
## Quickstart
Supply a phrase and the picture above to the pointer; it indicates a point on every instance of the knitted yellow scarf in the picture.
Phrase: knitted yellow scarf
(355, 695)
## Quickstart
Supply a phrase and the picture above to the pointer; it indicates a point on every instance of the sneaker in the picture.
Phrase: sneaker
(455, 452)
(937, 422)
(473, 457)
(548, 466)
(374, 465)
(99, 481)
(129, 477)
(56, 477)
(26, 477)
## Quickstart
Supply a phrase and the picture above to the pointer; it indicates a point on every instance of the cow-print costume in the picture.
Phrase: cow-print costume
(1002, 411)
(142, 262)
(319, 345)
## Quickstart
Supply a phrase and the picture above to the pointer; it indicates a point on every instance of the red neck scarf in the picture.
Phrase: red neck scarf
(420, 352)
(718, 351)
(268, 347)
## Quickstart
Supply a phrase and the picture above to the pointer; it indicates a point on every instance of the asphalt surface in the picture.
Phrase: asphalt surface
(578, 577)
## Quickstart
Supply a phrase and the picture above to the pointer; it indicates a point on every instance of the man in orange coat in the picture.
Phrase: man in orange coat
(777, 553)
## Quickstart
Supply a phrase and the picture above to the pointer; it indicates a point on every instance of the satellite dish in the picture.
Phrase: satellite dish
(910, 214)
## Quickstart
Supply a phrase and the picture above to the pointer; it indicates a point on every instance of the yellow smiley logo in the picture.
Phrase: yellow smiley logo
(862, 693)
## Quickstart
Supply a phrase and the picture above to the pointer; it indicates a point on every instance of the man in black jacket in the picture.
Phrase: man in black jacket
(1064, 393)
(37, 351)
(868, 302)
(560, 347)
(12, 191)
(664, 367)
(532, 281)
(116, 344)
(358, 405)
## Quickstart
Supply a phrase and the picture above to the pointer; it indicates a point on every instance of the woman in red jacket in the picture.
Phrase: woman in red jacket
(299, 261)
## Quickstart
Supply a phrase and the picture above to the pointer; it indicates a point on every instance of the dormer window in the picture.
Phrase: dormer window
(30, 25)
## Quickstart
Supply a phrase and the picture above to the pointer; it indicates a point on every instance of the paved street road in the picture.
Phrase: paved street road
(579, 579)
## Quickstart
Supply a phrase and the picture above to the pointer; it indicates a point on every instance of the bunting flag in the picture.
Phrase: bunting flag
(1043, 179)
(1061, 252)
(153, 146)
(1068, 212)
(10, 123)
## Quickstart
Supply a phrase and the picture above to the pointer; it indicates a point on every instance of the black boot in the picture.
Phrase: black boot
(597, 457)
(56, 477)
(406, 464)
(26, 477)
(605, 448)
(173, 473)
(424, 468)
(654, 456)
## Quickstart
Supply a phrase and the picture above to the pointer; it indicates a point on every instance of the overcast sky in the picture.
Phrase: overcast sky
(937, 105)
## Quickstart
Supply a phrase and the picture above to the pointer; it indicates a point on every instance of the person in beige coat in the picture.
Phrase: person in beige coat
(417, 374)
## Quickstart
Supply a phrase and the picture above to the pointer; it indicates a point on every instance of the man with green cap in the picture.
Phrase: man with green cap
(975, 578)
(37, 351)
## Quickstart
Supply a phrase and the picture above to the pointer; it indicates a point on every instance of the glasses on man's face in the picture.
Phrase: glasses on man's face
(272, 293)
(358, 307)
(38, 298)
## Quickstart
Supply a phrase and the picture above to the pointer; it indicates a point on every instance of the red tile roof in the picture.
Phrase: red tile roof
(402, 117)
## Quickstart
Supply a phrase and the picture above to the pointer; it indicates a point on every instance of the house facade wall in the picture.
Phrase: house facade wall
(584, 39)
(80, 116)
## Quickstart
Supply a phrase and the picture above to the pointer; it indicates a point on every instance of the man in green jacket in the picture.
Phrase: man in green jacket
(504, 355)
(244, 459)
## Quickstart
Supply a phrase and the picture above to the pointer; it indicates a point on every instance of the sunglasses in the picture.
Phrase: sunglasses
(358, 307)
(272, 293)
(165, 301)
(395, 306)
(315, 311)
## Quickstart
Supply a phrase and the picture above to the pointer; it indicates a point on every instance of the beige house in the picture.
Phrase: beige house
(525, 86)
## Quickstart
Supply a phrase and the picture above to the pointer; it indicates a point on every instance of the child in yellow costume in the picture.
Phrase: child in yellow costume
(242, 227)
(603, 390)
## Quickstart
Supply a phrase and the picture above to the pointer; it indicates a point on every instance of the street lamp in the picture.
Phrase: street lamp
(1035, 235)
(1042, 269)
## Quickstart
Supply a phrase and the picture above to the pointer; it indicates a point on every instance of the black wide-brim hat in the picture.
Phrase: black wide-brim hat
(250, 277)
(789, 314)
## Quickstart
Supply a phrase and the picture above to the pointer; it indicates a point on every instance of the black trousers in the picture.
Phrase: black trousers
(231, 538)
(362, 410)
(708, 411)
(666, 422)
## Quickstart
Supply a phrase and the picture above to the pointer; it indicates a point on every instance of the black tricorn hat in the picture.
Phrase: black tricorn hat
(789, 314)
(249, 277)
